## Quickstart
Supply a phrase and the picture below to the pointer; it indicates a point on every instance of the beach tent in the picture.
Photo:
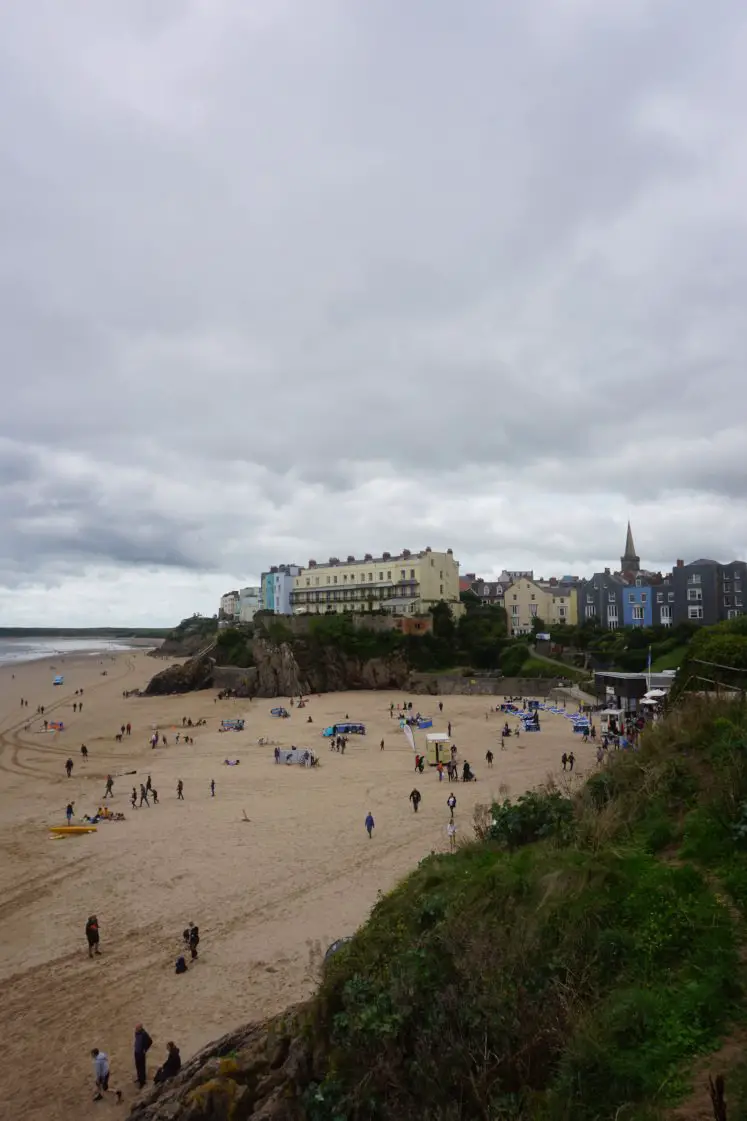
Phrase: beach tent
(279, 712)
(59, 681)
(56, 726)
(232, 725)
(438, 748)
(424, 722)
(346, 728)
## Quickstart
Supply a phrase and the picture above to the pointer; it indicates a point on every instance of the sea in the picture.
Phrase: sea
(30, 649)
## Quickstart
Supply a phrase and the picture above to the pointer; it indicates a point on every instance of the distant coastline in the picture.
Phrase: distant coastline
(108, 633)
(34, 647)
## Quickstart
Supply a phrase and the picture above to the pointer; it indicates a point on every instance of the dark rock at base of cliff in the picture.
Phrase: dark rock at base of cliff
(197, 673)
(257, 1073)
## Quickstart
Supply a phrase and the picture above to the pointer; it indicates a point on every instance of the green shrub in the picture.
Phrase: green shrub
(533, 817)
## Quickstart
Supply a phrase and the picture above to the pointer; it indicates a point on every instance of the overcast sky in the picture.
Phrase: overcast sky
(285, 279)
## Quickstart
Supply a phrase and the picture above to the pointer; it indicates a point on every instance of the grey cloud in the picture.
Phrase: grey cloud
(262, 267)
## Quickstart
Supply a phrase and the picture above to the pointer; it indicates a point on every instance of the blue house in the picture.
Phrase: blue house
(638, 603)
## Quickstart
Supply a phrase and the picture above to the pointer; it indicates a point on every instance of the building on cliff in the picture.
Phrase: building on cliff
(250, 602)
(229, 606)
(403, 584)
(277, 586)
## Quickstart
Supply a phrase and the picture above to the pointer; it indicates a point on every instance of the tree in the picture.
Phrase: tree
(538, 625)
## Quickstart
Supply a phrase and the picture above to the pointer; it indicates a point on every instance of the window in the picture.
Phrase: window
(727, 601)
(329, 579)
(514, 596)
(561, 612)
(737, 601)
(403, 573)
(695, 612)
(631, 597)
(612, 611)
(441, 590)
(637, 614)
(733, 614)
(595, 586)
(670, 597)
(308, 581)
(381, 576)
(370, 577)
(388, 575)
(611, 597)
(644, 597)
(694, 578)
(412, 573)
(335, 579)
(590, 612)
(514, 609)
(533, 609)
(440, 575)
(534, 597)
(316, 581)
(694, 595)
(612, 624)
(666, 614)
(727, 586)
(590, 599)
(659, 597)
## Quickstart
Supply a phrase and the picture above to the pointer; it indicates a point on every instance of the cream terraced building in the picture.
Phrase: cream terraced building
(406, 584)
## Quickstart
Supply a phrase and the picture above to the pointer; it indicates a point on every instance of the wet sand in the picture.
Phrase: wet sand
(268, 895)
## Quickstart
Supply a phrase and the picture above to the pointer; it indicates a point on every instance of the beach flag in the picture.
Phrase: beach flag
(408, 735)
(649, 660)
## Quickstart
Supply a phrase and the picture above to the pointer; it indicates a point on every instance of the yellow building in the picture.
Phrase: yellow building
(564, 605)
(526, 600)
(406, 584)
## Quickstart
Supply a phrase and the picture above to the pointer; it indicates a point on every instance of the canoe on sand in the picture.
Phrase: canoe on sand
(64, 830)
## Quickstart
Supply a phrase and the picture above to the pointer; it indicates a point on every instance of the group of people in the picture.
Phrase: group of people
(170, 1067)
(142, 1041)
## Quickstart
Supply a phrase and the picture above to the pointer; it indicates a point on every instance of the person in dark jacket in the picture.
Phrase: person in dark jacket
(143, 1043)
(171, 1066)
(92, 935)
(192, 938)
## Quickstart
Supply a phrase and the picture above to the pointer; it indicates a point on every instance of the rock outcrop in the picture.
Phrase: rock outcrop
(285, 669)
(258, 1073)
(197, 673)
(289, 669)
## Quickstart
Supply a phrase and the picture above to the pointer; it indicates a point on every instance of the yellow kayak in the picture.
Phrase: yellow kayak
(62, 830)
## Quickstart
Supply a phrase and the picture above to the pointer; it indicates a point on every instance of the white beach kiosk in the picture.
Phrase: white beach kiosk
(438, 748)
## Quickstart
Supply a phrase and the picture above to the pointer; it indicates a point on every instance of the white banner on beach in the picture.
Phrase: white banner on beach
(408, 735)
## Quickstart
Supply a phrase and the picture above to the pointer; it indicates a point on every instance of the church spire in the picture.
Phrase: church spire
(630, 561)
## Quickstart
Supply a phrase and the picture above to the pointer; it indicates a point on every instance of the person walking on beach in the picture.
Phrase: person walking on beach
(92, 935)
(440, 706)
(382, 744)
(212, 787)
(133, 798)
(122, 729)
(369, 824)
(109, 786)
(69, 813)
(191, 938)
(571, 761)
(143, 795)
(180, 791)
(564, 759)
(69, 767)
(74, 706)
(84, 751)
(154, 794)
(451, 833)
(129, 729)
(489, 757)
(148, 783)
(440, 769)
(415, 798)
(448, 728)
(141, 1047)
(451, 803)
(101, 1074)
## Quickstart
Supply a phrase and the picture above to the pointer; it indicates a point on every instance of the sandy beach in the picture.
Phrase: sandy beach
(267, 894)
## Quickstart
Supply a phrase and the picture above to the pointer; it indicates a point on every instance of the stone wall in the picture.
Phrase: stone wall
(451, 684)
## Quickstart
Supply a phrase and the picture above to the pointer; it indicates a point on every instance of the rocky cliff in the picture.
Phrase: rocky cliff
(197, 673)
(257, 1073)
(286, 669)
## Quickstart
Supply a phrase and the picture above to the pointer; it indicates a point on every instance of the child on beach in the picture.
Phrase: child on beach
(369, 824)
